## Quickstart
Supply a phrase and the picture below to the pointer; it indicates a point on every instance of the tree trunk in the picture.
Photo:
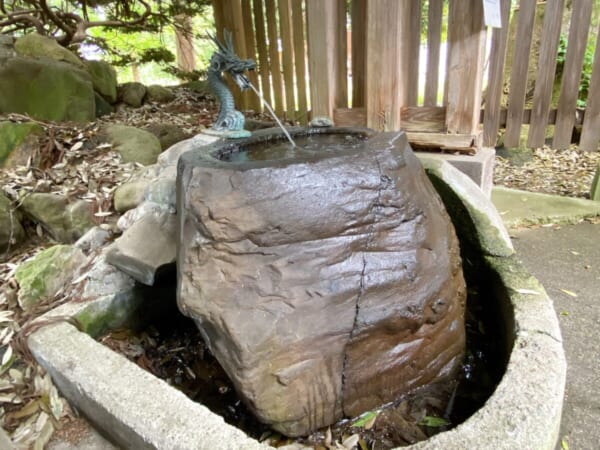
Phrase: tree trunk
(135, 71)
(186, 60)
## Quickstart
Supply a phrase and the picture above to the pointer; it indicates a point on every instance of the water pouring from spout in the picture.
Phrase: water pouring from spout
(264, 102)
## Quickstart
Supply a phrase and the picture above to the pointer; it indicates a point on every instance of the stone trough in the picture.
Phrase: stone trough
(137, 410)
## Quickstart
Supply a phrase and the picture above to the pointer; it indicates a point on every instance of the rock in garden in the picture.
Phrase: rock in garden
(129, 195)
(326, 284)
(104, 79)
(42, 277)
(11, 230)
(159, 94)
(168, 134)
(46, 89)
(134, 144)
(63, 221)
(19, 142)
(37, 46)
(7, 46)
(145, 248)
(132, 93)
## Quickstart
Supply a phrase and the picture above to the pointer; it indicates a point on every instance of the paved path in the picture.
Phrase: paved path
(566, 259)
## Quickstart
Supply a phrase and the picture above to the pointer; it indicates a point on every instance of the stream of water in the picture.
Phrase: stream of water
(264, 102)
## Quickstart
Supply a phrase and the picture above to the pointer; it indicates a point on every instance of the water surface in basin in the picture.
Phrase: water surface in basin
(307, 145)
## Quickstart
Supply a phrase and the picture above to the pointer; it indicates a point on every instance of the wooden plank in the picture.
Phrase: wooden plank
(518, 74)
(358, 15)
(287, 43)
(300, 59)
(493, 100)
(219, 17)
(414, 46)
(350, 117)
(569, 89)
(590, 134)
(276, 79)
(461, 143)
(253, 102)
(322, 33)
(423, 118)
(434, 37)
(237, 30)
(544, 81)
(341, 71)
(264, 68)
(388, 22)
(466, 51)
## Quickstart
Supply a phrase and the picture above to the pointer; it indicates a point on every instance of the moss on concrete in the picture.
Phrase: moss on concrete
(472, 223)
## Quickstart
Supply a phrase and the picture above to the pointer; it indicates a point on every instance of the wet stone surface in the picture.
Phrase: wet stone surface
(325, 282)
(172, 349)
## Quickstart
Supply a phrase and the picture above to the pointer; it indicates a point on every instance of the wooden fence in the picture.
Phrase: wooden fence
(360, 65)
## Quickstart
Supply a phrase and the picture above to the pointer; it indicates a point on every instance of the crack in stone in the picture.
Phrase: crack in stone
(385, 182)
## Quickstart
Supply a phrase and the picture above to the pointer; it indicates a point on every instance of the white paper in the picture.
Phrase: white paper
(491, 13)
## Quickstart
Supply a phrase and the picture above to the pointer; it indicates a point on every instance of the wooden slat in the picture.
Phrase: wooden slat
(493, 100)
(321, 20)
(590, 134)
(385, 88)
(264, 68)
(518, 74)
(358, 14)
(423, 118)
(237, 31)
(276, 80)
(254, 101)
(412, 64)
(461, 143)
(569, 89)
(218, 16)
(350, 117)
(341, 71)
(300, 59)
(287, 52)
(466, 51)
(434, 37)
(542, 95)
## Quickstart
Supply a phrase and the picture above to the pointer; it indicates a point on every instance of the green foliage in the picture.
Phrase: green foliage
(586, 72)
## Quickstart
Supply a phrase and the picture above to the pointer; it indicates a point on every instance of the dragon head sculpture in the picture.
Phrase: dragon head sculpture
(225, 60)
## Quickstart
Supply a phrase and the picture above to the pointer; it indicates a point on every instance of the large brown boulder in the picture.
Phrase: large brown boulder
(325, 283)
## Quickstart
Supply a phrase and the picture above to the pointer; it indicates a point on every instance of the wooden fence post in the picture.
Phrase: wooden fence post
(322, 17)
(491, 122)
(466, 52)
(590, 134)
(386, 57)
(542, 95)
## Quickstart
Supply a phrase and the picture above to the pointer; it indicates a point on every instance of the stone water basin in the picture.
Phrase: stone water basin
(523, 412)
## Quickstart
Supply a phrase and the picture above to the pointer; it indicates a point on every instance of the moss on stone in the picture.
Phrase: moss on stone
(104, 79)
(46, 89)
(38, 46)
(42, 276)
(14, 134)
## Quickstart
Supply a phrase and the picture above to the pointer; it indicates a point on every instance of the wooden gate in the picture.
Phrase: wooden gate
(360, 65)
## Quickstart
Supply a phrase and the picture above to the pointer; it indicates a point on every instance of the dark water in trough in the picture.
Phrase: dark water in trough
(306, 145)
(171, 348)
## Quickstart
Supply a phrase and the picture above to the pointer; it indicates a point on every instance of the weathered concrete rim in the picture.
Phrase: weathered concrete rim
(139, 411)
